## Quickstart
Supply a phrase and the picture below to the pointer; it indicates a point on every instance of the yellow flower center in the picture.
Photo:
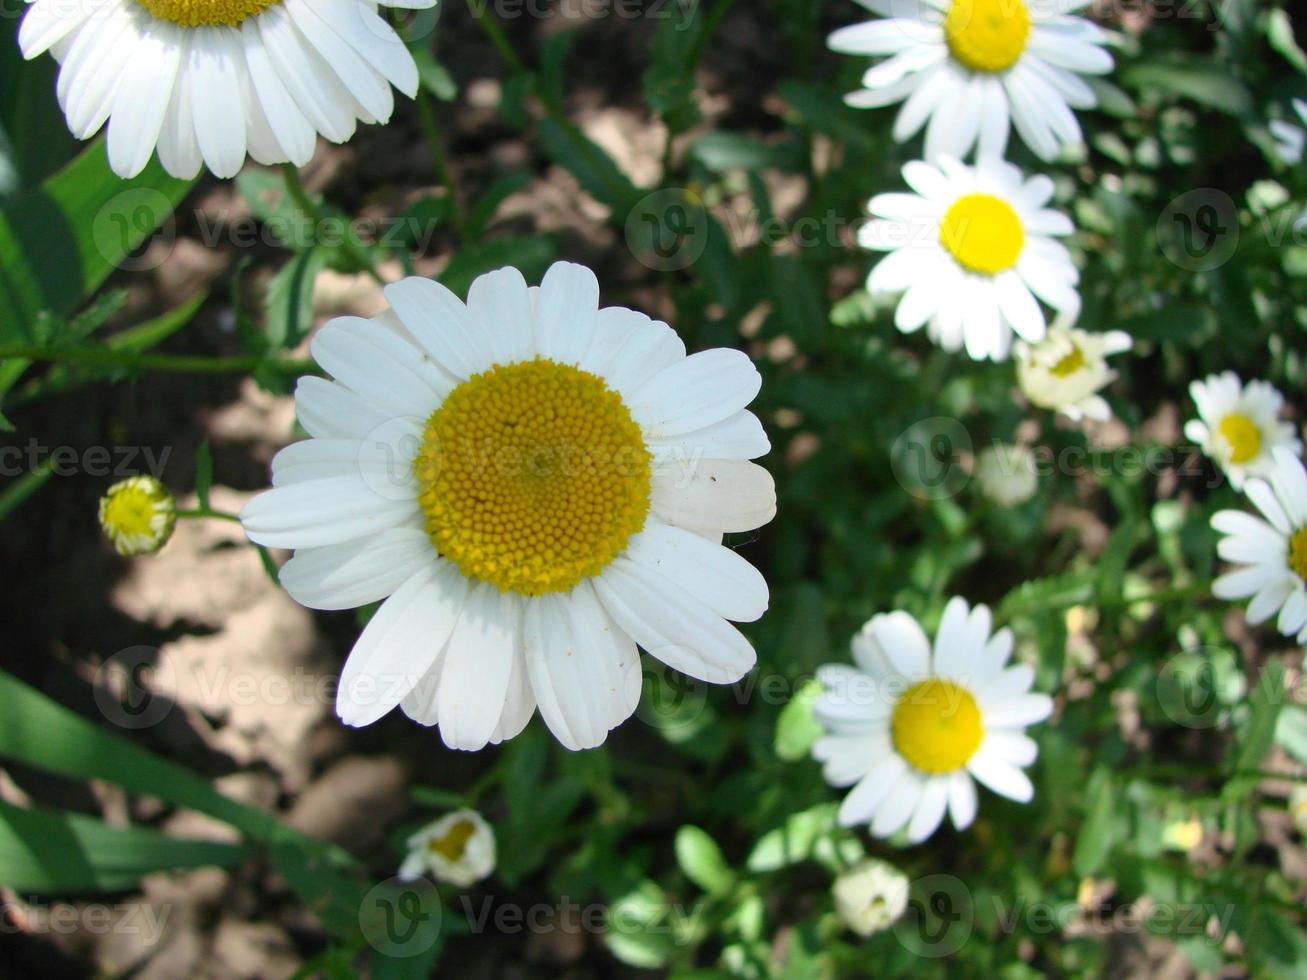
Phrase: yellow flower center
(206, 13)
(987, 35)
(1242, 434)
(454, 841)
(983, 233)
(936, 726)
(533, 476)
(1298, 553)
(1069, 363)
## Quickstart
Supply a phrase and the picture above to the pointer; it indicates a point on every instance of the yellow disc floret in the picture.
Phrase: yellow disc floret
(983, 233)
(1298, 553)
(138, 515)
(987, 35)
(1242, 434)
(453, 842)
(533, 476)
(206, 13)
(1069, 363)
(936, 726)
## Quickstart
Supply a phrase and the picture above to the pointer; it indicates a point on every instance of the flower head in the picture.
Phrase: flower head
(911, 730)
(534, 485)
(138, 515)
(870, 896)
(1067, 369)
(1007, 474)
(973, 251)
(1239, 425)
(967, 70)
(208, 81)
(1272, 550)
(458, 848)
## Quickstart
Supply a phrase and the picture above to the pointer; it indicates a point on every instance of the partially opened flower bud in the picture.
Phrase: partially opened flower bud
(458, 848)
(138, 515)
(870, 896)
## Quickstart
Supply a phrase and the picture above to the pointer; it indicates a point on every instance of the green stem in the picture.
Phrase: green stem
(199, 513)
(178, 364)
(497, 37)
(304, 201)
(427, 111)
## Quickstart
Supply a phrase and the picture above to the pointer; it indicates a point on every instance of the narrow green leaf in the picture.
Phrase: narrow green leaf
(45, 851)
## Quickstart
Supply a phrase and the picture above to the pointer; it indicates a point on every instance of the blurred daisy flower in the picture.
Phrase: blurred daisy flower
(138, 515)
(537, 485)
(912, 731)
(209, 81)
(1066, 371)
(1007, 474)
(1239, 425)
(870, 896)
(967, 70)
(1272, 551)
(972, 252)
(458, 848)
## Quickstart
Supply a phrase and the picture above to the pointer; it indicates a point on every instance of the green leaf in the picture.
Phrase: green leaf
(45, 851)
(1264, 706)
(591, 165)
(59, 243)
(1097, 832)
(702, 861)
(36, 731)
(1202, 80)
(433, 76)
(290, 299)
(793, 842)
(1279, 33)
(796, 729)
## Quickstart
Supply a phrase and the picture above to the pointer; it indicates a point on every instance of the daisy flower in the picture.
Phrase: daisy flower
(138, 515)
(208, 81)
(1066, 370)
(970, 251)
(458, 848)
(912, 731)
(975, 67)
(537, 485)
(1239, 425)
(1272, 550)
